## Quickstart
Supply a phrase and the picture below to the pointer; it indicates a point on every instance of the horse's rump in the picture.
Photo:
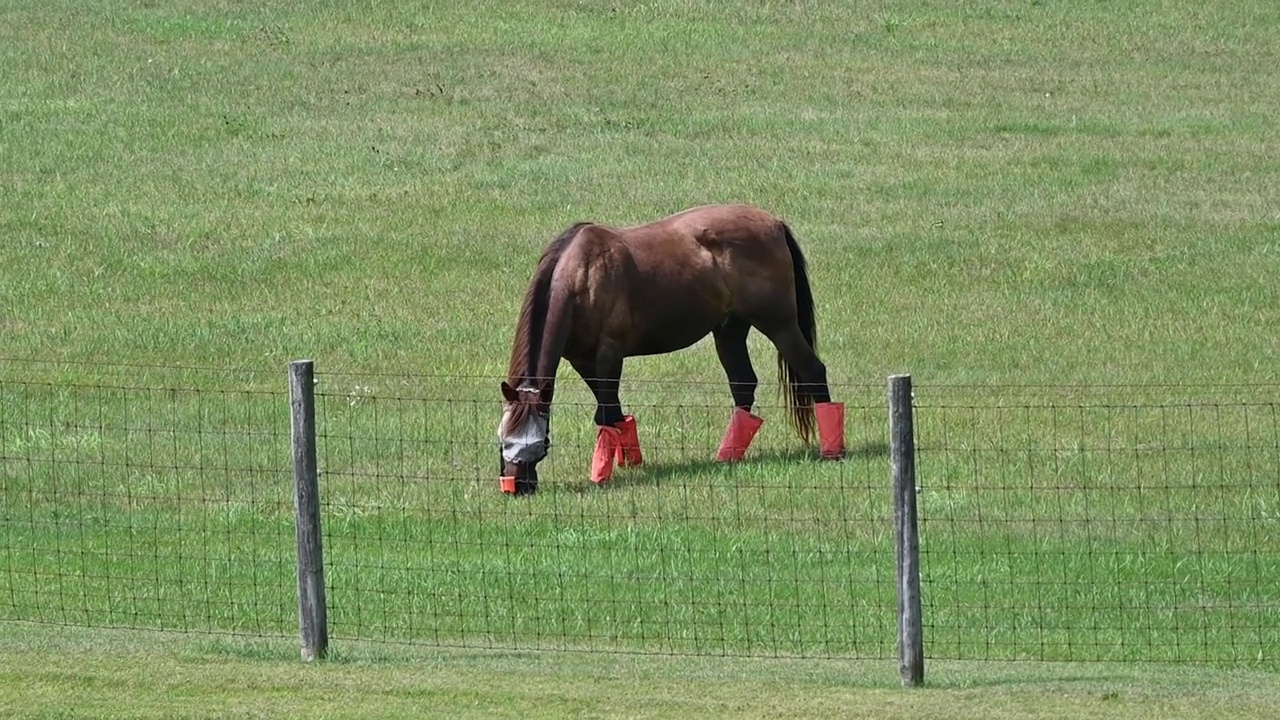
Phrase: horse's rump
(681, 276)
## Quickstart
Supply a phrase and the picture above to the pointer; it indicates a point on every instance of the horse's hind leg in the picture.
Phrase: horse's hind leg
(809, 372)
(810, 395)
(731, 346)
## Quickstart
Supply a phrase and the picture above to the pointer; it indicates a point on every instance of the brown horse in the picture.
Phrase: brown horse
(601, 294)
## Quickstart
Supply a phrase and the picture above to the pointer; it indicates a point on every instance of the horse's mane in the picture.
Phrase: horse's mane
(533, 310)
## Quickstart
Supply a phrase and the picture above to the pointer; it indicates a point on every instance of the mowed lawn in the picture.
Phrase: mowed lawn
(1012, 193)
(1061, 218)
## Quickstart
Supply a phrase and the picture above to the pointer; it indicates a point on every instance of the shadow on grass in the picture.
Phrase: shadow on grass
(656, 473)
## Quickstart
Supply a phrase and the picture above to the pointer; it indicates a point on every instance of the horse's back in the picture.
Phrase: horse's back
(747, 244)
(710, 236)
(736, 255)
(661, 286)
(711, 224)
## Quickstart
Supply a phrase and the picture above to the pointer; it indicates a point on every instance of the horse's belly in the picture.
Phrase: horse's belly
(676, 333)
(659, 346)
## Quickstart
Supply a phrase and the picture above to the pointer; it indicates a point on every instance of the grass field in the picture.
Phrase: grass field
(1059, 217)
(110, 674)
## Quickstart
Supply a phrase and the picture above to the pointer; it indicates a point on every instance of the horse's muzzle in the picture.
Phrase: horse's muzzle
(525, 476)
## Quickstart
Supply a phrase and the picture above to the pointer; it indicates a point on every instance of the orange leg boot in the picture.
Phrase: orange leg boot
(830, 429)
(607, 446)
(737, 438)
(629, 443)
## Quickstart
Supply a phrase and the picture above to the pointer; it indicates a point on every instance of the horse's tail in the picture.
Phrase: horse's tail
(798, 396)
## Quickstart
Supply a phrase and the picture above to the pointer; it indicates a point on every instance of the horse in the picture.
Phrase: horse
(601, 294)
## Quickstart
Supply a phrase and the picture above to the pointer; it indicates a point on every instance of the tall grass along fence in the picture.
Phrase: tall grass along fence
(1068, 523)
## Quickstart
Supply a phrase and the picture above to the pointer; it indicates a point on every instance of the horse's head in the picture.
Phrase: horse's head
(525, 432)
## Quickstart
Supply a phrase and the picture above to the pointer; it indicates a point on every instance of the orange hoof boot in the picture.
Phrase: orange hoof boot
(608, 443)
(830, 429)
(737, 437)
(628, 454)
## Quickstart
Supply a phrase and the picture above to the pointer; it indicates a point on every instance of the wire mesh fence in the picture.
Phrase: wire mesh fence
(1100, 523)
(154, 505)
(1078, 524)
(782, 555)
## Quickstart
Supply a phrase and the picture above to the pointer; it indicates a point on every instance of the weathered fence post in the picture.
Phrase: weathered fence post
(902, 461)
(313, 623)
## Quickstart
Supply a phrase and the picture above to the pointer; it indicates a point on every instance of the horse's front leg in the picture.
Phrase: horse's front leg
(617, 439)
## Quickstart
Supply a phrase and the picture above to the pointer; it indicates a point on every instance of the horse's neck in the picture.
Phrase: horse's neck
(546, 339)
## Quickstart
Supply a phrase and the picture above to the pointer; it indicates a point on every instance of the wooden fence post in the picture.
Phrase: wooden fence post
(313, 624)
(902, 461)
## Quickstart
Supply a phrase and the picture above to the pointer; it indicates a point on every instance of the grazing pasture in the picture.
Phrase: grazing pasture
(1061, 218)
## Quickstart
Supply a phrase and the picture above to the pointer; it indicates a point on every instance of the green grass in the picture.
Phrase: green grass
(995, 198)
(111, 674)
(1017, 193)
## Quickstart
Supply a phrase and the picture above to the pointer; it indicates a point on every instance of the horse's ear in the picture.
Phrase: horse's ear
(509, 393)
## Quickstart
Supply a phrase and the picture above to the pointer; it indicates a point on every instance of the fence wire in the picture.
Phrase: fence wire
(1100, 523)
(779, 555)
(1077, 524)
(145, 507)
